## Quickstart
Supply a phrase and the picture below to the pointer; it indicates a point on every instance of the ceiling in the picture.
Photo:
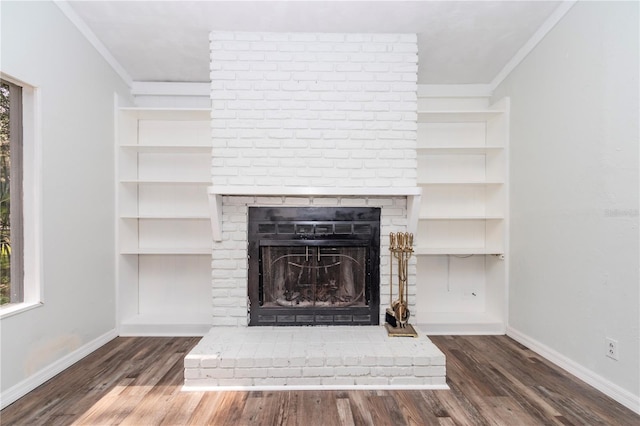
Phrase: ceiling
(459, 42)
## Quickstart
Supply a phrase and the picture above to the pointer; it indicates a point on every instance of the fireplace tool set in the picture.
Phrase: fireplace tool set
(397, 314)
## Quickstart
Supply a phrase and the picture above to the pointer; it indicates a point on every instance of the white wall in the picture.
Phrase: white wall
(41, 47)
(574, 194)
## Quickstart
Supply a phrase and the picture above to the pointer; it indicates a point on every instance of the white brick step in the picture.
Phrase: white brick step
(350, 357)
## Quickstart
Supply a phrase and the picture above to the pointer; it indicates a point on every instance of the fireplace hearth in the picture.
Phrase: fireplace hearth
(313, 266)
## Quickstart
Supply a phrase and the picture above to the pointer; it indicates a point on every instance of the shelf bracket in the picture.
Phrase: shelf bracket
(215, 209)
(413, 212)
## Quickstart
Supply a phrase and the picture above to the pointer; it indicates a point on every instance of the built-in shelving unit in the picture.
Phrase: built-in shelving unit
(462, 226)
(164, 233)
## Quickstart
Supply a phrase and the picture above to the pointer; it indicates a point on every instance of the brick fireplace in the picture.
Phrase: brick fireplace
(301, 112)
(306, 123)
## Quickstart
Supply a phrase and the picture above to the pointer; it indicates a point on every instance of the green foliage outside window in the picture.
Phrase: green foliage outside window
(5, 198)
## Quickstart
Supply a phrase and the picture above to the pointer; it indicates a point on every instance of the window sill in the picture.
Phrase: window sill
(14, 309)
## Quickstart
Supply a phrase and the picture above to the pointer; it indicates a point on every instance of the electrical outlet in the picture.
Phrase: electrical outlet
(612, 348)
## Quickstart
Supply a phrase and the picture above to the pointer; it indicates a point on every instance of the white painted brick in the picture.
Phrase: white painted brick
(378, 87)
(269, 381)
(338, 381)
(285, 372)
(235, 382)
(251, 372)
(263, 361)
(320, 66)
(372, 381)
(222, 75)
(224, 264)
(391, 371)
(377, 106)
(389, 116)
(362, 76)
(216, 373)
(331, 57)
(349, 106)
(263, 46)
(278, 56)
(429, 371)
(297, 201)
(318, 371)
(353, 202)
(191, 373)
(191, 361)
(221, 55)
(304, 381)
(352, 371)
(409, 381)
(291, 47)
(235, 66)
(320, 86)
(324, 201)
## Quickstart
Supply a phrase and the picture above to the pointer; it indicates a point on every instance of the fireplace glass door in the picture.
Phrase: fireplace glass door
(313, 266)
(308, 276)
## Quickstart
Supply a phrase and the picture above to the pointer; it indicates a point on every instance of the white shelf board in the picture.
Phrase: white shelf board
(413, 194)
(461, 183)
(457, 150)
(171, 114)
(172, 250)
(429, 251)
(169, 149)
(165, 182)
(471, 116)
(427, 217)
(166, 217)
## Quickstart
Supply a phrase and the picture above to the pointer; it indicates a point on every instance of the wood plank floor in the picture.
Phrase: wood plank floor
(493, 379)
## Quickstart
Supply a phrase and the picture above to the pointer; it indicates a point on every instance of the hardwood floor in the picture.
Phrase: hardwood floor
(493, 379)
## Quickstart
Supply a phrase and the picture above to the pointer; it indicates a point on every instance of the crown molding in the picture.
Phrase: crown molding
(84, 29)
(528, 47)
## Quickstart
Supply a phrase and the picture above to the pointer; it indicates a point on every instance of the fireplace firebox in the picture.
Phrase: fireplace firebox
(314, 266)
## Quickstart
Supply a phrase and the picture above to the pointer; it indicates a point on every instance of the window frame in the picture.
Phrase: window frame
(29, 173)
(16, 294)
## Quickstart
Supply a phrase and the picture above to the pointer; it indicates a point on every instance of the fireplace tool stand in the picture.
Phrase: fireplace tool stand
(397, 314)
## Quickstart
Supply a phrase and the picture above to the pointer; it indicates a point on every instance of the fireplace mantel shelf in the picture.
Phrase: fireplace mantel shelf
(216, 193)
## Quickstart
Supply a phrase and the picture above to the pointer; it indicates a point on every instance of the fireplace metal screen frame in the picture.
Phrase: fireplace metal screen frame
(314, 227)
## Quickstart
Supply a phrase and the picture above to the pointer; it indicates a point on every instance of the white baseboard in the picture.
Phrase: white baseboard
(605, 386)
(30, 383)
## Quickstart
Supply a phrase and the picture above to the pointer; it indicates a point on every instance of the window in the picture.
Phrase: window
(11, 194)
